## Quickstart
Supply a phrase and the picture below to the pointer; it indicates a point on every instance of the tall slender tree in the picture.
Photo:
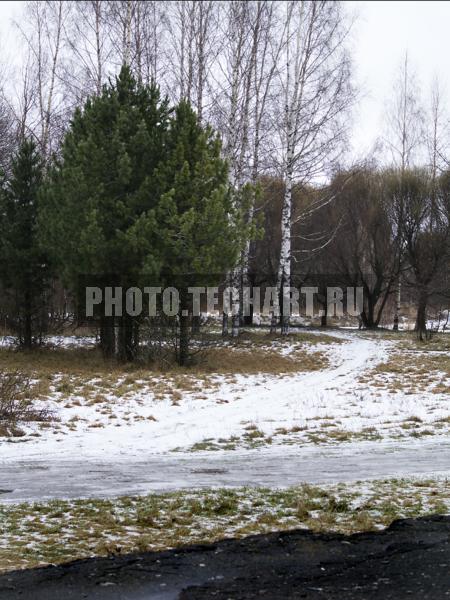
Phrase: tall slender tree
(203, 228)
(25, 269)
(405, 121)
(316, 92)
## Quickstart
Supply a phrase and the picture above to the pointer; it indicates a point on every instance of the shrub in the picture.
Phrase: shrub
(16, 405)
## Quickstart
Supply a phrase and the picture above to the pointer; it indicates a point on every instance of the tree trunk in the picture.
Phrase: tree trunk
(27, 334)
(98, 45)
(322, 298)
(107, 337)
(369, 314)
(224, 324)
(245, 282)
(183, 351)
(235, 301)
(398, 305)
(284, 268)
(324, 317)
(126, 349)
(225, 308)
(273, 323)
(421, 319)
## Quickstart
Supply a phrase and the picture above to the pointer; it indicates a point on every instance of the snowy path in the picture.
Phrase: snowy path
(39, 480)
(267, 402)
(137, 458)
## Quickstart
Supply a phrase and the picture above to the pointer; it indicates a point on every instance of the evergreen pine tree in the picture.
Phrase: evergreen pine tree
(99, 205)
(202, 231)
(25, 269)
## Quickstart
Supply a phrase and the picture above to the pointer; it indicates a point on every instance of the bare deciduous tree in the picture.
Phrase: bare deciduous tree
(87, 39)
(425, 236)
(43, 33)
(405, 120)
(193, 39)
(316, 92)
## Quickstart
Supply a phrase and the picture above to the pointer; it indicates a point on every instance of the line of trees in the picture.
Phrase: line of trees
(394, 226)
(273, 78)
(139, 190)
(110, 159)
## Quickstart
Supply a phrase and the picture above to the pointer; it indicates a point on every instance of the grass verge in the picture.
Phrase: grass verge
(62, 530)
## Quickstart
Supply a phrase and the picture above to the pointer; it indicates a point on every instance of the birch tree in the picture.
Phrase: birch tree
(265, 51)
(243, 81)
(43, 35)
(182, 32)
(405, 121)
(120, 16)
(150, 41)
(193, 50)
(316, 93)
(232, 110)
(89, 47)
(437, 139)
(405, 118)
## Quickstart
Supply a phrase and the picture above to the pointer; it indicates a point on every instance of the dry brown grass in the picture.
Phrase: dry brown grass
(412, 372)
(415, 364)
(259, 360)
(239, 357)
(74, 361)
(80, 376)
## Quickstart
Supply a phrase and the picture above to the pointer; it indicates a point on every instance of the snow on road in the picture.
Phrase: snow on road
(33, 480)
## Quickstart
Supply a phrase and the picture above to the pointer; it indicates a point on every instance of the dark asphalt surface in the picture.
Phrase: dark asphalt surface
(411, 559)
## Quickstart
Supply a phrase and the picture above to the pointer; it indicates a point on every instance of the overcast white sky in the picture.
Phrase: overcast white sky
(383, 32)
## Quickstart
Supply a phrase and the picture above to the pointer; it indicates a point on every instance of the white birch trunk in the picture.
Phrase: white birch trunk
(127, 35)
(235, 303)
(316, 91)
(284, 266)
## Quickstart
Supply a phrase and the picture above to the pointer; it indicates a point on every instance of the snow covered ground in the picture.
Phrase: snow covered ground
(346, 408)
(60, 341)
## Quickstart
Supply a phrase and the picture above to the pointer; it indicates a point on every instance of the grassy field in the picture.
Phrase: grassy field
(402, 395)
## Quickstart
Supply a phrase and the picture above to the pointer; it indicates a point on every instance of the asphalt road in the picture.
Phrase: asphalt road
(33, 480)
(411, 559)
